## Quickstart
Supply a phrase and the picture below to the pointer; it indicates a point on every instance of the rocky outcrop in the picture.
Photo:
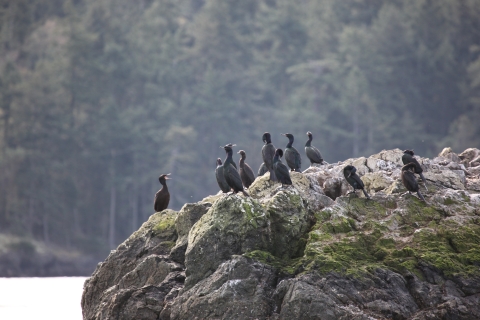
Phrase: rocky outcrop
(307, 251)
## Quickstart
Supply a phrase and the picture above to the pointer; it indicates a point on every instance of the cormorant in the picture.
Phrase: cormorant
(409, 180)
(408, 158)
(220, 177)
(354, 180)
(162, 197)
(268, 152)
(294, 161)
(230, 172)
(262, 170)
(281, 170)
(313, 154)
(246, 173)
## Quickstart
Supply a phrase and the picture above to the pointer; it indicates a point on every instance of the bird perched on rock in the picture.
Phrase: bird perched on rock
(268, 152)
(230, 171)
(408, 157)
(246, 173)
(313, 154)
(409, 180)
(350, 173)
(262, 170)
(294, 161)
(162, 197)
(222, 183)
(281, 170)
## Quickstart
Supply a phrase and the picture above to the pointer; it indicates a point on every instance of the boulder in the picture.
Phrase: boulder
(468, 156)
(449, 154)
(306, 251)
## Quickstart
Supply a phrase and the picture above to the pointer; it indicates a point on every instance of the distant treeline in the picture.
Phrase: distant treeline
(100, 97)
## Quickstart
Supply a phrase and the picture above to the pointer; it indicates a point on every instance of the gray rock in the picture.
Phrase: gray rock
(186, 218)
(295, 253)
(468, 155)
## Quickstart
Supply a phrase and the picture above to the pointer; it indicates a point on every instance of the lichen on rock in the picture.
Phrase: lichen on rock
(307, 251)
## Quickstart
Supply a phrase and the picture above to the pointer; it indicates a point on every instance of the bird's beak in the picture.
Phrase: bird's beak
(221, 147)
(167, 178)
(283, 134)
(238, 152)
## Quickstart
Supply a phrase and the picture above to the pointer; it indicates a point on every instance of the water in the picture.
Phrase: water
(41, 298)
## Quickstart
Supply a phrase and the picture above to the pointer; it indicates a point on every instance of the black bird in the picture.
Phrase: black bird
(408, 158)
(294, 161)
(350, 173)
(281, 170)
(230, 171)
(262, 170)
(409, 180)
(220, 177)
(268, 152)
(246, 173)
(162, 197)
(313, 154)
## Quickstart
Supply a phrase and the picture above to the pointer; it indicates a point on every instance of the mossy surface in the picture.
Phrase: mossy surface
(165, 224)
(384, 236)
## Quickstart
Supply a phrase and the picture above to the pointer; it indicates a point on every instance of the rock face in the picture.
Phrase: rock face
(307, 251)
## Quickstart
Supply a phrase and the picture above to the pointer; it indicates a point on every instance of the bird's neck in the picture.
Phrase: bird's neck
(228, 159)
(290, 142)
(164, 184)
(242, 162)
(309, 142)
(276, 158)
(267, 141)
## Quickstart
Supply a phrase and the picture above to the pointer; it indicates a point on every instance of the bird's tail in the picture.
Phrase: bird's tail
(424, 181)
(366, 194)
(421, 197)
(273, 177)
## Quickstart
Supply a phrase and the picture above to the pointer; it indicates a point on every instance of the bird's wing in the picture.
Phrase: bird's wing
(313, 154)
(359, 181)
(409, 180)
(298, 159)
(281, 170)
(290, 158)
(249, 172)
(268, 152)
(262, 170)
(222, 183)
(418, 167)
(233, 178)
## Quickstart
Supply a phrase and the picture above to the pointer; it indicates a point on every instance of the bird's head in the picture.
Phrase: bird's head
(266, 137)
(228, 147)
(349, 170)
(164, 177)
(219, 162)
(288, 135)
(410, 152)
(242, 153)
(279, 152)
(309, 134)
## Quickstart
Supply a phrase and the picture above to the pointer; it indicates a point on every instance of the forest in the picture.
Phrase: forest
(100, 97)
